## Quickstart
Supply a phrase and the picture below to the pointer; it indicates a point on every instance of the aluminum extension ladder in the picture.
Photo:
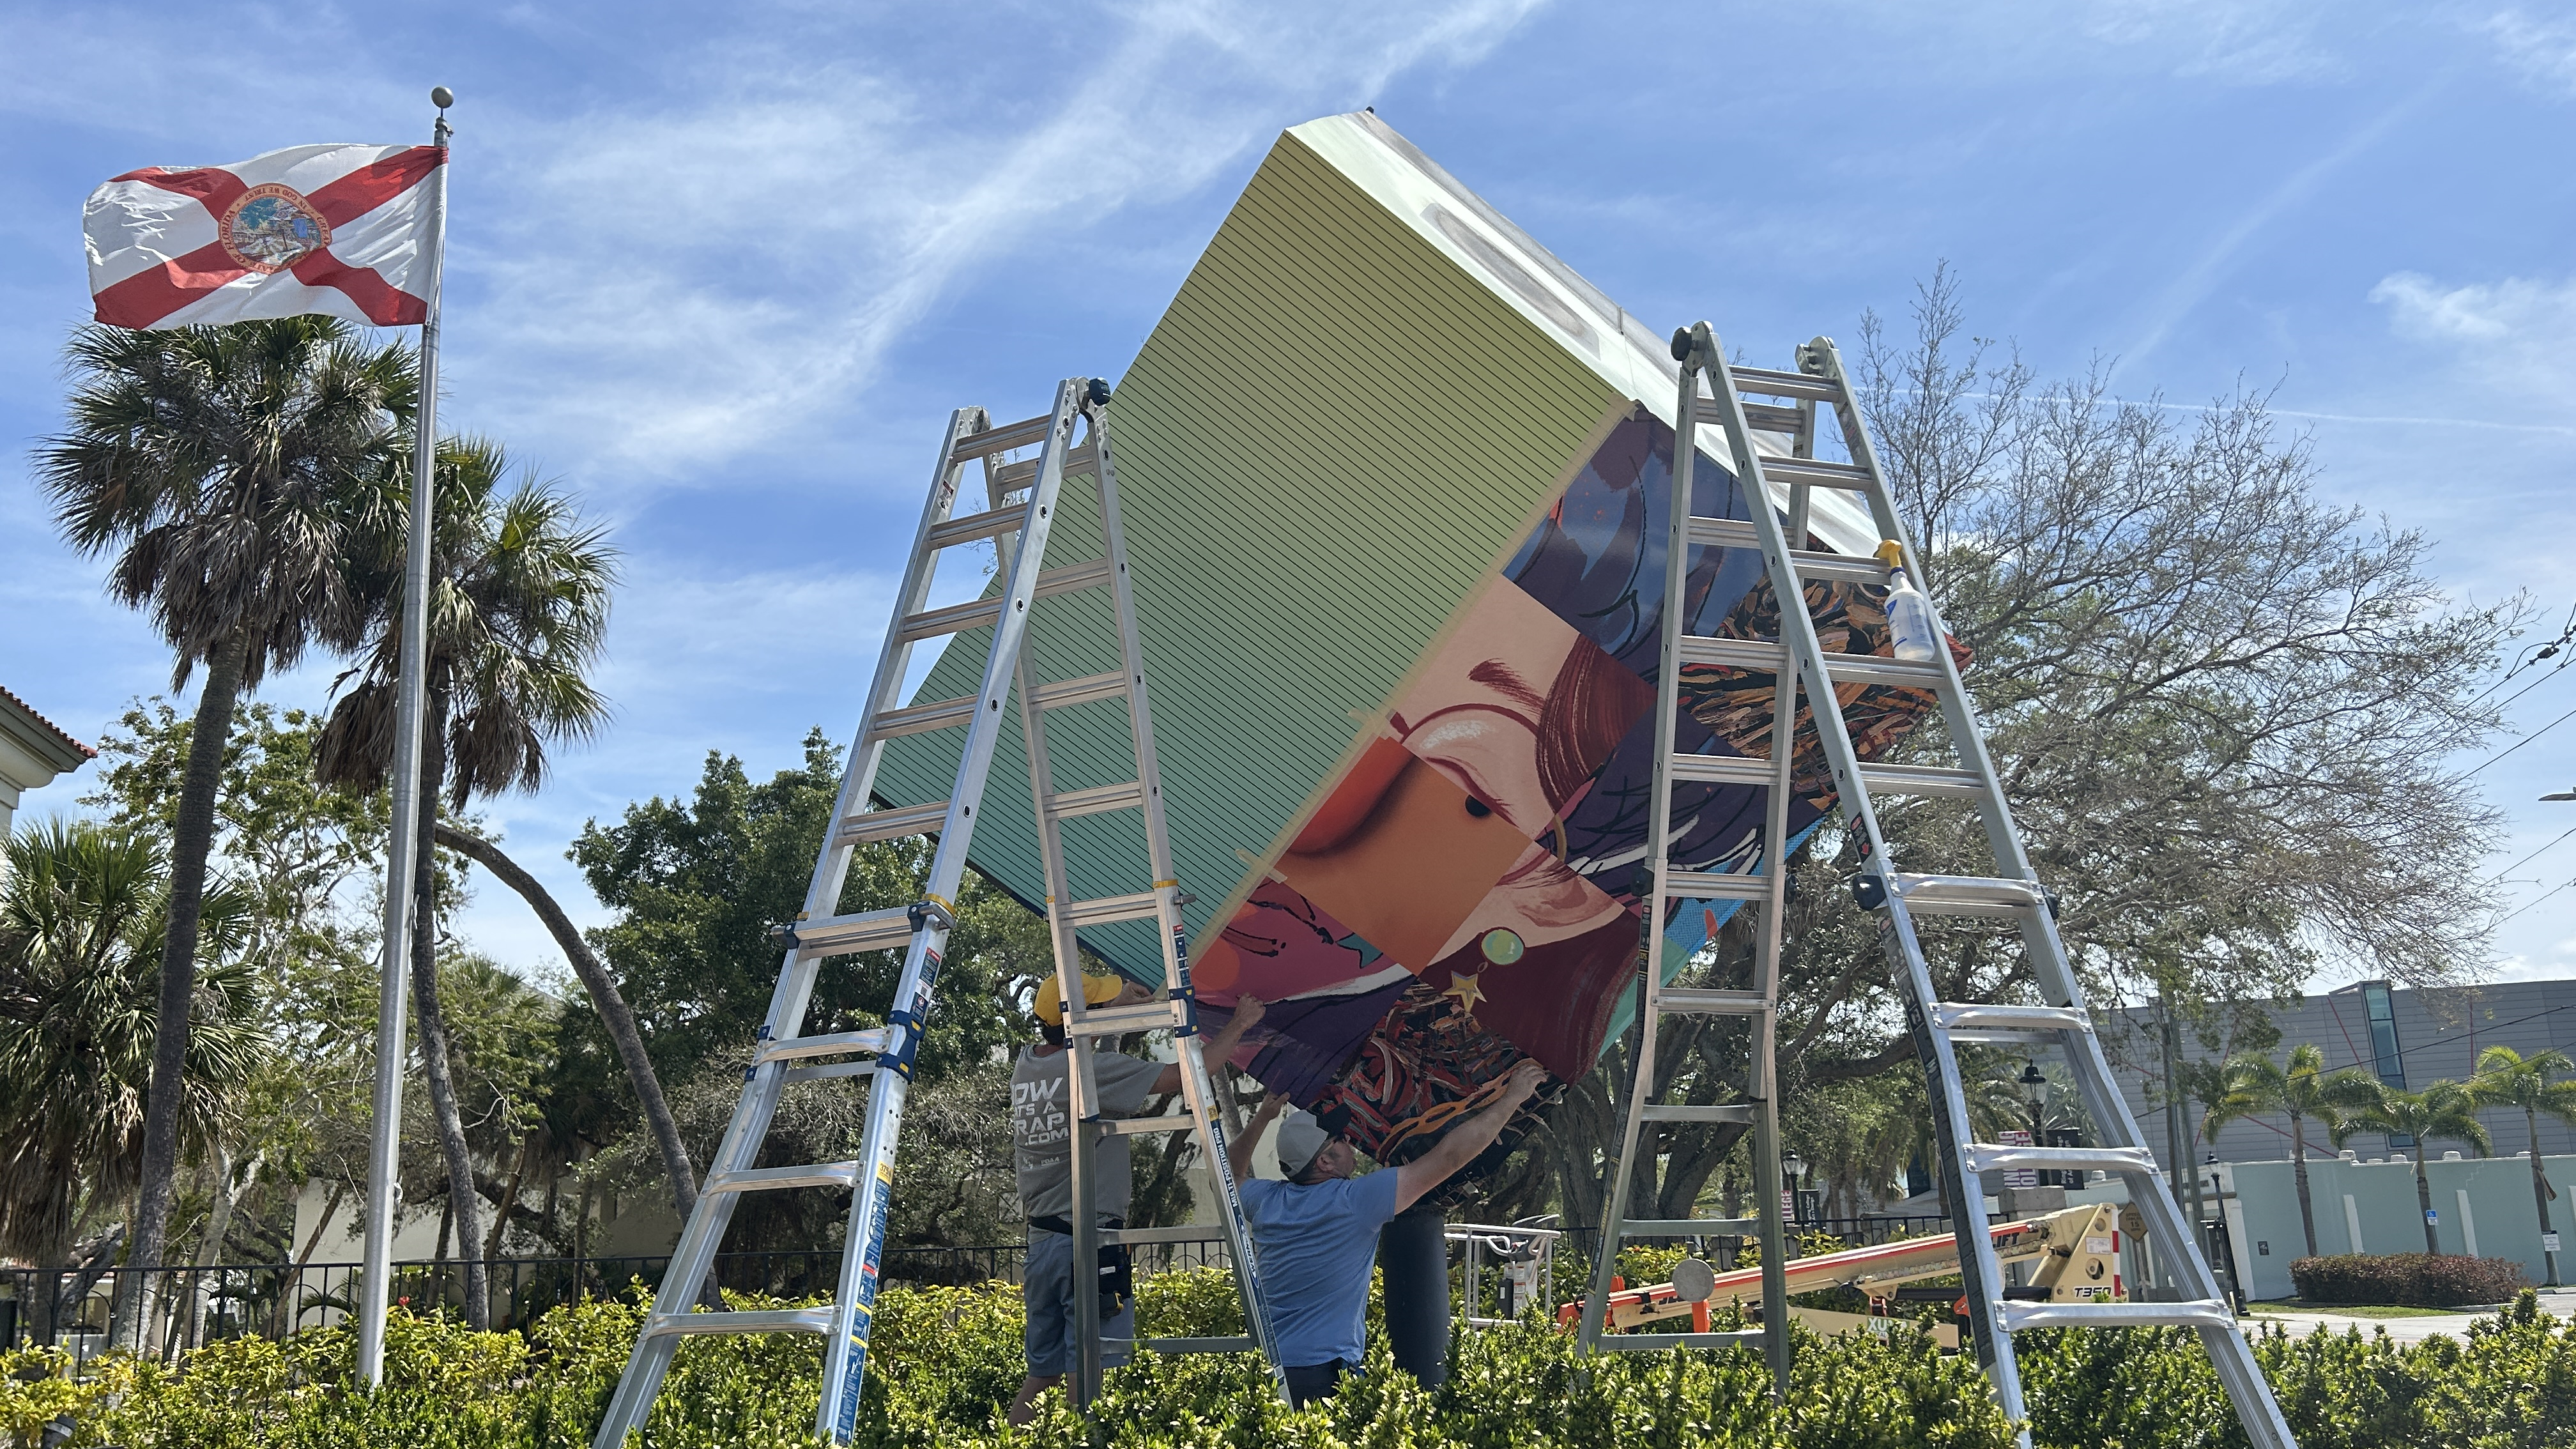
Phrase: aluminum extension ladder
(1765, 892)
(785, 1054)
(2014, 894)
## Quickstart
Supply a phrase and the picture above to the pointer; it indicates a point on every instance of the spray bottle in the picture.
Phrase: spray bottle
(1909, 614)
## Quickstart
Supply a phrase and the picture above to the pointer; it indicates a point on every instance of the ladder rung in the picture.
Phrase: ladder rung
(1966, 895)
(1995, 1157)
(1736, 533)
(846, 1043)
(1081, 689)
(973, 526)
(1002, 439)
(1012, 476)
(1880, 669)
(1100, 799)
(772, 1179)
(1955, 1015)
(1185, 1233)
(1758, 654)
(1784, 384)
(958, 618)
(893, 824)
(1736, 1112)
(1817, 473)
(1143, 1016)
(1772, 419)
(1724, 769)
(1703, 885)
(2201, 1313)
(831, 1070)
(1109, 910)
(1921, 780)
(1688, 1227)
(949, 713)
(760, 1320)
(843, 935)
(1139, 1126)
(1696, 1001)
(1236, 1344)
(1658, 1342)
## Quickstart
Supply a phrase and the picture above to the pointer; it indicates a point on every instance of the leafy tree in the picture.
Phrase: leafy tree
(2441, 1109)
(2507, 1078)
(520, 606)
(82, 915)
(699, 884)
(2251, 1085)
(216, 464)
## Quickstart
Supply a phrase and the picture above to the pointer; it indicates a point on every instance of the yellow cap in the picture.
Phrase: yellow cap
(1892, 554)
(1096, 991)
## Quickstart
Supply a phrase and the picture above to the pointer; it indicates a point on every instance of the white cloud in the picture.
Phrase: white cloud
(2517, 335)
(2245, 42)
(2544, 51)
(676, 285)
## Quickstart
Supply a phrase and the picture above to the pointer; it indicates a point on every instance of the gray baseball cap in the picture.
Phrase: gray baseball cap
(1300, 1138)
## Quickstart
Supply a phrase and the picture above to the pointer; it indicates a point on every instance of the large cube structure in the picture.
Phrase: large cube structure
(1395, 484)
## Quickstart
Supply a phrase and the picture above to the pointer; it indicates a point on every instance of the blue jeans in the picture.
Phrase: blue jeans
(1314, 1381)
(1047, 1284)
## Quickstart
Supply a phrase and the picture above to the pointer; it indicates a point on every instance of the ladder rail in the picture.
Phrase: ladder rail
(1197, 1085)
(1929, 1020)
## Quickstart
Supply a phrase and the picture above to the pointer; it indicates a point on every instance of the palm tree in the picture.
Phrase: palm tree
(82, 918)
(2250, 1085)
(517, 613)
(214, 463)
(2442, 1109)
(2507, 1078)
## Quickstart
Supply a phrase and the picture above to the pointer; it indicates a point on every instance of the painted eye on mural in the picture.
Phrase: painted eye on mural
(1478, 808)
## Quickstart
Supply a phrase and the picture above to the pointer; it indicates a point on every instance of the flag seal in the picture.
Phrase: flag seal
(270, 227)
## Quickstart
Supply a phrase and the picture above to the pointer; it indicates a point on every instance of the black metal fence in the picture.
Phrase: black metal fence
(70, 1309)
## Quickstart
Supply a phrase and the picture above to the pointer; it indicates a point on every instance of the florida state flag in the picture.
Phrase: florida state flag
(345, 231)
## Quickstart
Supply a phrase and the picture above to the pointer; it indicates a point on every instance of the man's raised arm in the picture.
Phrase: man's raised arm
(1238, 1153)
(1467, 1139)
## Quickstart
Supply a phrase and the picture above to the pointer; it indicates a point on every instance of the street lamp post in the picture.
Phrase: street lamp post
(2036, 1087)
(1793, 1167)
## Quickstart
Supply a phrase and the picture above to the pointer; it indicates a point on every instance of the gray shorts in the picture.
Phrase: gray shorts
(1047, 1285)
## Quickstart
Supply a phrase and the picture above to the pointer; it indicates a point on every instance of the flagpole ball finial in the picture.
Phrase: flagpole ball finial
(441, 97)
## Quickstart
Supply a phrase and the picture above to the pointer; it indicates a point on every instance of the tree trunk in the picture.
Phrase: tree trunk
(219, 1222)
(287, 1311)
(2424, 1199)
(192, 838)
(509, 1200)
(2299, 1169)
(462, 1202)
(604, 997)
(2540, 1189)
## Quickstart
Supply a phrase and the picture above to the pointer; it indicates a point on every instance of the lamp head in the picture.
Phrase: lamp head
(441, 97)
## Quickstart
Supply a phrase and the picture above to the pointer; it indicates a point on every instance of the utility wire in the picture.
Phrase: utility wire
(2526, 739)
(2527, 905)
(2528, 859)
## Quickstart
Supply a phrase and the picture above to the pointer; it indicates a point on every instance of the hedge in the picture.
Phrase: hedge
(2421, 1280)
(947, 1359)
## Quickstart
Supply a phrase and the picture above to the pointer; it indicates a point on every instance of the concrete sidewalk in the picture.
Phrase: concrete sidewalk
(2558, 1301)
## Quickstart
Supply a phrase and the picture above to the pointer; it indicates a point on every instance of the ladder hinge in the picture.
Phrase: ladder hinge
(928, 909)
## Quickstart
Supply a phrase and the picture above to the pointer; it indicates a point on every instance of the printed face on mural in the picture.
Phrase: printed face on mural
(1464, 896)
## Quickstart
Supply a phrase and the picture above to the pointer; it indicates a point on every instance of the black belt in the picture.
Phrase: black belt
(1060, 1225)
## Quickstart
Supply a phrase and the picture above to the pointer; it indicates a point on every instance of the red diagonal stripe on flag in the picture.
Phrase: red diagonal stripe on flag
(385, 304)
(150, 295)
(214, 187)
(349, 197)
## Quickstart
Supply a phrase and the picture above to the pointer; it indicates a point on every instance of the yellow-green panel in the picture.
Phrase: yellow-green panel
(1336, 430)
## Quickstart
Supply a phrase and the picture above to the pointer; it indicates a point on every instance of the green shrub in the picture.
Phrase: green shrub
(2422, 1280)
(945, 1361)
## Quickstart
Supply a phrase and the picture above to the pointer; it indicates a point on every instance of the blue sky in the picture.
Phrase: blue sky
(725, 269)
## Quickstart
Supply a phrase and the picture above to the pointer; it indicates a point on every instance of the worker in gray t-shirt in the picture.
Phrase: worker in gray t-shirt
(1042, 1155)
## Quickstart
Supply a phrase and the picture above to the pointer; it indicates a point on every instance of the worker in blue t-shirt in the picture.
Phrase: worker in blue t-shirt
(1316, 1233)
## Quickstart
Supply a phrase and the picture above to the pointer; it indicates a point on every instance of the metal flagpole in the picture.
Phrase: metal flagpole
(375, 1292)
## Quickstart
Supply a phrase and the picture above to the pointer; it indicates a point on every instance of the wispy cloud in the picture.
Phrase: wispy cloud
(678, 285)
(2187, 291)
(2245, 42)
(2543, 51)
(2517, 336)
